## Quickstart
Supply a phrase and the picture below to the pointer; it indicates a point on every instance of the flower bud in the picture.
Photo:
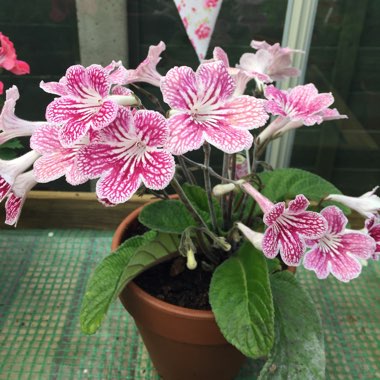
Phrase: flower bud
(191, 262)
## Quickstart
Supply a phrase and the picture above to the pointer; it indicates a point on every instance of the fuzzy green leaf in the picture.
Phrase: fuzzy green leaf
(298, 350)
(285, 184)
(241, 300)
(116, 270)
(169, 216)
(198, 197)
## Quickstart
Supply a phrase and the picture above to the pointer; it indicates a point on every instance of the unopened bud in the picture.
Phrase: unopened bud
(191, 262)
(222, 189)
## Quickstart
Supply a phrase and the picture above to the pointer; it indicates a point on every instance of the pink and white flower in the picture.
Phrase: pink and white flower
(56, 160)
(287, 227)
(85, 103)
(338, 252)
(269, 63)
(117, 73)
(17, 196)
(367, 204)
(301, 103)
(129, 153)
(146, 71)
(204, 109)
(12, 126)
(9, 170)
(372, 226)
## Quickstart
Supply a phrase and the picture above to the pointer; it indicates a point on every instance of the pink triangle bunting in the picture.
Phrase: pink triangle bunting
(199, 18)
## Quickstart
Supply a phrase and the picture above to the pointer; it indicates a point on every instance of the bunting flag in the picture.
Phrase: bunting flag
(199, 18)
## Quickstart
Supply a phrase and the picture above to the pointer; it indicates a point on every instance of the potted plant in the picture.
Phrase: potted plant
(212, 259)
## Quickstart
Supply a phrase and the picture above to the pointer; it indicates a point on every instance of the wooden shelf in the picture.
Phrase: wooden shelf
(58, 209)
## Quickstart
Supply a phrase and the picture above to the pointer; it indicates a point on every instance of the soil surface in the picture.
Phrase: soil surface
(172, 282)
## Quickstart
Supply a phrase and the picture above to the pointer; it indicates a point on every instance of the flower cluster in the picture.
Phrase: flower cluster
(97, 128)
(8, 59)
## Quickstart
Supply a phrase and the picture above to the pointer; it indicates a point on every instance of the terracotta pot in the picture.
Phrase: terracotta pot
(183, 343)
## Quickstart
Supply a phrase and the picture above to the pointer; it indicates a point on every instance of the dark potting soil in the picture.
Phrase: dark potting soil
(172, 282)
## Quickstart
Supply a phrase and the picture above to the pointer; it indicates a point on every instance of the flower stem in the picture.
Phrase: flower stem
(223, 201)
(188, 175)
(186, 201)
(207, 180)
(231, 195)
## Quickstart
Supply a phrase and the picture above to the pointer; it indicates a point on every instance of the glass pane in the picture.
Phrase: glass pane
(344, 59)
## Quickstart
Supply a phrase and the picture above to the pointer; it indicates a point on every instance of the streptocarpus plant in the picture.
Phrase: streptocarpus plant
(245, 223)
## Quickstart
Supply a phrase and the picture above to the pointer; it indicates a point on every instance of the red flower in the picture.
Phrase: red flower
(203, 31)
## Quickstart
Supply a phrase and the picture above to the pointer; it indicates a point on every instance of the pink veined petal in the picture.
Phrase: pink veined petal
(179, 88)
(228, 139)
(299, 204)
(277, 100)
(98, 80)
(121, 90)
(246, 112)
(275, 212)
(119, 128)
(105, 115)
(270, 243)
(214, 83)
(74, 177)
(13, 207)
(320, 102)
(345, 267)
(318, 261)
(95, 159)
(72, 132)
(310, 120)
(5, 187)
(117, 185)
(60, 109)
(117, 73)
(45, 139)
(336, 220)
(302, 94)
(184, 134)
(76, 81)
(56, 88)
(373, 228)
(285, 72)
(51, 167)
(158, 170)
(309, 224)
(359, 244)
(292, 247)
(152, 126)
(221, 55)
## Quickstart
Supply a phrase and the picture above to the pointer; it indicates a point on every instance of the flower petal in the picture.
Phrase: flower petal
(45, 139)
(13, 207)
(117, 185)
(213, 82)
(336, 220)
(317, 261)
(51, 167)
(157, 170)
(179, 88)
(246, 112)
(299, 204)
(184, 134)
(5, 187)
(345, 267)
(270, 243)
(292, 247)
(359, 244)
(228, 139)
(274, 213)
(152, 126)
(98, 80)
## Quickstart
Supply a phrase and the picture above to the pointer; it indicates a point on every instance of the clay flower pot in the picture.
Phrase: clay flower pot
(183, 343)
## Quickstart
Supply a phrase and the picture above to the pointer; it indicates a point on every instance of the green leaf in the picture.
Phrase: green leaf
(116, 270)
(298, 350)
(169, 216)
(12, 144)
(241, 300)
(198, 197)
(285, 184)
